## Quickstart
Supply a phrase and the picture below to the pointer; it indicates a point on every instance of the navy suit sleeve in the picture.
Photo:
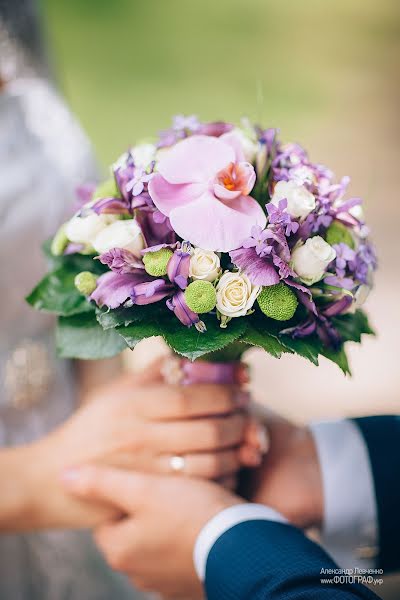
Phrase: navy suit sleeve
(382, 436)
(260, 560)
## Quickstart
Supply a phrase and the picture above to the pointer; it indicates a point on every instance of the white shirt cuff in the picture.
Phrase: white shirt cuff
(223, 521)
(349, 531)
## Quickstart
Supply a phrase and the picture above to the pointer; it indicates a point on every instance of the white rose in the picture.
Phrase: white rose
(121, 234)
(143, 154)
(311, 259)
(247, 139)
(204, 264)
(83, 230)
(236, 294)
(300, 202)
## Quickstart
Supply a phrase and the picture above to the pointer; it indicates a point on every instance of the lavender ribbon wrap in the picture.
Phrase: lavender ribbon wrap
(202, 371)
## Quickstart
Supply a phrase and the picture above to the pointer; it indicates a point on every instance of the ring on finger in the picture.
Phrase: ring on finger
(177, 463)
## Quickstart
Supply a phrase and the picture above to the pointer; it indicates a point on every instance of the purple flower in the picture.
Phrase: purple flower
(114, 289)
(121, 261)
(178, 266)
(279, 216)
(181, 123)
(155, 231)
(139, 179)
(181, 127)
(284, 269)
(214, 129)
(344, 254)
(149, 292)
(181, 310)
(258, 240)
(109, 205)
(364, 262)
(340, 280)
(258, 269)
(84, 194)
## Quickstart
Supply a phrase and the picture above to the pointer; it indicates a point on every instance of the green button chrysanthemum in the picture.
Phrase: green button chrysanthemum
(85, 282)
(155, 263)
(277, 302)
(201, 296)
(59, 242)
(338, 233)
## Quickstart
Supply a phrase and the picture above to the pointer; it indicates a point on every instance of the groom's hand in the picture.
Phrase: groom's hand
(153, 543)
(289, 478)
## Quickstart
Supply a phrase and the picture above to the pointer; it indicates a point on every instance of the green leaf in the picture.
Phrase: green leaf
(190, 343)
(80, 336)
(136, 332)
(308, 348)
(125, 316)
(56, 293)
(339, 357)
(352, 326)
(74, 262)
(264, 340)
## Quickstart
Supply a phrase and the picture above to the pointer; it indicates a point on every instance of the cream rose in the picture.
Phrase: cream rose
(204, 264)
(300, 202)
(236, 294)
(311, 259)
(121, 234)
(247, 139)
(83, 230)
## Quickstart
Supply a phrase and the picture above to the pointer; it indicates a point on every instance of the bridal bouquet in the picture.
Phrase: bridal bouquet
(216, 238)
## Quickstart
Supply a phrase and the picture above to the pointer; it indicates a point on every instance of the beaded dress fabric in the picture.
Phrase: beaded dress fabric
(43, 156)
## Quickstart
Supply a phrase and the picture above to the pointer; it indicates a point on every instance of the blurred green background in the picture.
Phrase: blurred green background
(126, 66)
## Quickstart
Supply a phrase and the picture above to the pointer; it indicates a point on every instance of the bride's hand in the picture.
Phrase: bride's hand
(141, 423)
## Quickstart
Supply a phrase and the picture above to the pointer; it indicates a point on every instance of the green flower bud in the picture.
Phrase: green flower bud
(201, 296)
(107, 189)
(155, 263)
(59, 242)
(338, 233)
(85, 282)
(278, 302)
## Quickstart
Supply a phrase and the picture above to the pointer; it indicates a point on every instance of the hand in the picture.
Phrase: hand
(139, 423)
(289, 477)
(153, 544)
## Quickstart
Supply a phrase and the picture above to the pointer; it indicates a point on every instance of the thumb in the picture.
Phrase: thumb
(124, 490)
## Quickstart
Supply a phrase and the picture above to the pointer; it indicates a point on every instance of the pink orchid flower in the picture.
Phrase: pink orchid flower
(203, 186)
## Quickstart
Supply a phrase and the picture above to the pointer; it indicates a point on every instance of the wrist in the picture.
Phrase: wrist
(21, 488)
(312, 472)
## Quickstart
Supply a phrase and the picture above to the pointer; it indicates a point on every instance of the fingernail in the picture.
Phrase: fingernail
(263, 439)
(242, 398)
(70, 475)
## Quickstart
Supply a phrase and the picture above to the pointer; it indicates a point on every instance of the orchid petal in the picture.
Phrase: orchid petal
(195, 159)
(216, 225)
(167, 196)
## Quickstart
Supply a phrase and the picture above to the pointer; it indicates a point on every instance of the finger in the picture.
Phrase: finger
(249, 456)
(152, 373)
(207, 465)
(117, 542)
(198, 435)
(256, 435)
(125, 490)
(185, 402)
(229, 482)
